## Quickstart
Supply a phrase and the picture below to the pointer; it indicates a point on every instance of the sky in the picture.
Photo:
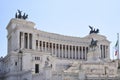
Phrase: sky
(66, 17)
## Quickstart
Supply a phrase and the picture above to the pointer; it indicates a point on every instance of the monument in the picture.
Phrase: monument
(39, 55)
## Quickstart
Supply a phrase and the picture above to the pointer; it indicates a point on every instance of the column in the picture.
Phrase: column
(81, 52)
(69, 51)
(104, 50)
(38, 44)
(59, 50)
(75, 53)
(62, 50)
(45, 46)
(42, 46)
(17, 45)
(78, 52)
(108, 51)
(22, 40)
(52, 48)
(48, 47)
(101, 51)
(85, 53)
(55, 50)
(28, 41)
(65, 52)
(72, 51)
(25, 41)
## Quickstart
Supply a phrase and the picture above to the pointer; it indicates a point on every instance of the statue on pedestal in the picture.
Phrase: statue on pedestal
(93, 53)
(93, 43)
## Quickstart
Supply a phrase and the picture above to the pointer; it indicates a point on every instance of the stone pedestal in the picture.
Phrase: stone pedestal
(48, 73)
(93, 54)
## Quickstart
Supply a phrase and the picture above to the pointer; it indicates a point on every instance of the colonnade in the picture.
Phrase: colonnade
(63, 50)
(104, 51)
(59, 50)
(25, 40)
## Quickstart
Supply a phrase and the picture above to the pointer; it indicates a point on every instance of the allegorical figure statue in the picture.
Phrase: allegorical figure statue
(20, 16)
(47, 62)
(93, 30)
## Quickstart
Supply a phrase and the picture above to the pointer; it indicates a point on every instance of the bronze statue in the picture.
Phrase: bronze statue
(93, 43)
(16, 15)
(97, 31)
(93, 30)
(20, 16)
(25, 16)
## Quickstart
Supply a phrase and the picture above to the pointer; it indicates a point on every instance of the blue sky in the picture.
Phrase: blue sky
(67, 17)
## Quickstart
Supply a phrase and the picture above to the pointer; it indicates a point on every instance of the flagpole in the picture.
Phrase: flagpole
(113, 53)
(118, 44)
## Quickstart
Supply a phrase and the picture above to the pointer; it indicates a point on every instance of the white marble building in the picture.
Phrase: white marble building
(38, 55)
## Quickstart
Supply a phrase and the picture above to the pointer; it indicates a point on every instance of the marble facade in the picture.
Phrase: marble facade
(38, 55)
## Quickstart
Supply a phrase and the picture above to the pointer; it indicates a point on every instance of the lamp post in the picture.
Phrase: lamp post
(20, 53)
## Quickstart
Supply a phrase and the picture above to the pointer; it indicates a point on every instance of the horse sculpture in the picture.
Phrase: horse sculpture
(20, 16)
(93, 30)
(93, 43)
